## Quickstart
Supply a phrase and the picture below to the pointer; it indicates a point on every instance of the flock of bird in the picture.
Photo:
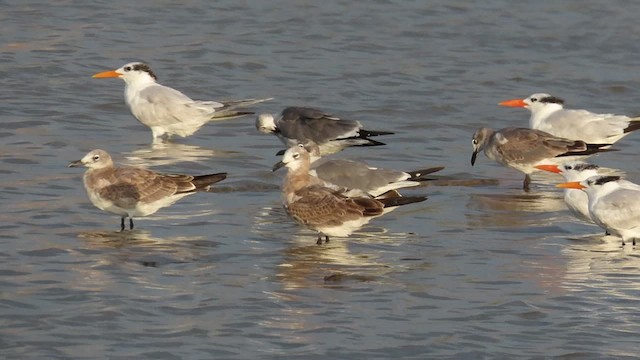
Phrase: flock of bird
(335, 197)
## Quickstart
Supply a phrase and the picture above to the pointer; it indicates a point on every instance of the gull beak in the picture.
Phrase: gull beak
(549, 168)
(571, 185)
(473, 158)
(278, 166)
(76, 163)
(106, 74)
(513, 103)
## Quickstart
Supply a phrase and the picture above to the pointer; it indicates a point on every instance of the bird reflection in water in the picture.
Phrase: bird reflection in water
(117, 258)
(168, 153)
(306, 264)
(514, 210)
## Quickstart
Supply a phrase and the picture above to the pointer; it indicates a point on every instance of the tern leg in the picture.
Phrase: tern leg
(130, 223)
(527, 181)
(122, 224)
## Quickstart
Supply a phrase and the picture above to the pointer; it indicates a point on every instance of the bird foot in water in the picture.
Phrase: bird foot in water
(122, 227)
(526, 183)
(319, 242)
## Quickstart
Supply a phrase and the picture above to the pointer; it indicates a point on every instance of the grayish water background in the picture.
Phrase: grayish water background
(475, 272)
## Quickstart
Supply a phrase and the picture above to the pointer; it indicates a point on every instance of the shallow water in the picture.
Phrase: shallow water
(480, 270)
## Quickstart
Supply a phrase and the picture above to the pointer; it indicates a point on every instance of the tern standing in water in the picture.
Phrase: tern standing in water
(548, 114)
(167, 111)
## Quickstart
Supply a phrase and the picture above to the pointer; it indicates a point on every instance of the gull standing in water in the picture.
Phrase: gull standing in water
(614, 204)
(548, 114)
(326, 210)
(522, 148)
(132, 192)
(301, 124)
(165, 110)
(358, 175)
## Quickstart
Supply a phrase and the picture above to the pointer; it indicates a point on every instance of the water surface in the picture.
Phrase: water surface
(480, 270)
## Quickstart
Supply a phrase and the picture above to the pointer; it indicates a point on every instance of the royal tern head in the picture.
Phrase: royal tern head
(131, 73)
(265, 123)
(592, 184)
(294, 158)
(479, 141)
(572, 171)
(535, 102)
(95, 159)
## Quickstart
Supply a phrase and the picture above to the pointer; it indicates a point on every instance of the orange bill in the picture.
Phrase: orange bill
(513, 103)
(571, 185)
(549, 168)
(106, 74)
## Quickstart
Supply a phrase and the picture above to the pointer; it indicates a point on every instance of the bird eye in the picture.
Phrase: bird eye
(474, 141)
(300, 145)
(568, 167)
(127, 68)
(96, 157)
(534, 99)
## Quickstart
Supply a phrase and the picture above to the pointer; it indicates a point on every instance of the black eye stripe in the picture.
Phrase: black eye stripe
(581, 167)
(551, 100)
(605, 179)
(145, 68)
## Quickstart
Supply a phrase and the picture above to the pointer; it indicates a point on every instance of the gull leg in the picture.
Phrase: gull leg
(122, 224)
(130, 223)
(527, 181)
(326, 239)
(623, 244)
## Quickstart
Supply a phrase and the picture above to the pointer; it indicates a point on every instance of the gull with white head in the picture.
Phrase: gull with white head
(301, 124)
(328, 211)
(358, 175)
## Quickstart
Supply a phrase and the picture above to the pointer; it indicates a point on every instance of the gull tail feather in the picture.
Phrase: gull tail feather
(367, 133)
(403, 200)
(202, 182)
(633, 125)
(589, 150)
(420, 175)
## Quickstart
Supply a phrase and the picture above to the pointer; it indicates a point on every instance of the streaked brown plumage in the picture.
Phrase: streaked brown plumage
(329, 210)
(130, 191)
